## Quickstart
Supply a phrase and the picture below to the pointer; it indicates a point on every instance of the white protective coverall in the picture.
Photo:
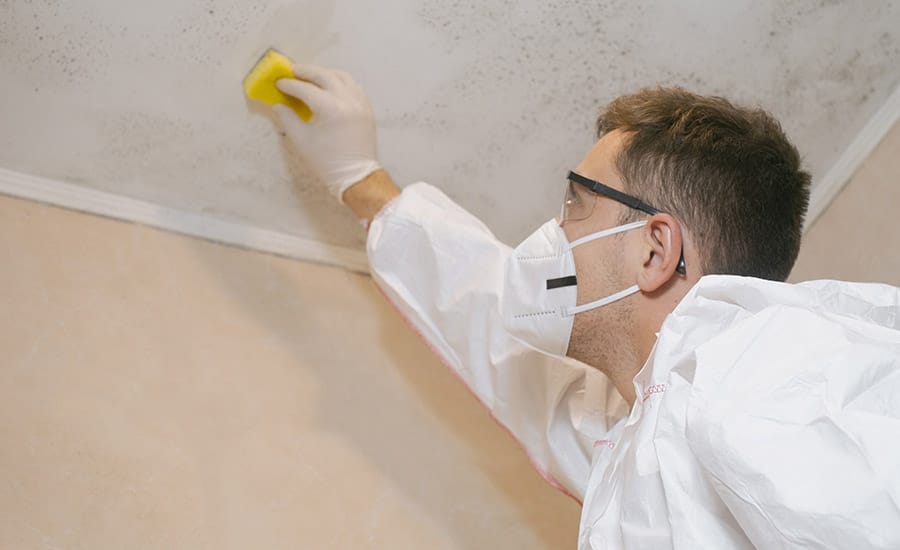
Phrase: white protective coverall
(768, 414)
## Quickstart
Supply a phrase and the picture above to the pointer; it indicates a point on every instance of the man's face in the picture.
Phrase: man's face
(601, 265)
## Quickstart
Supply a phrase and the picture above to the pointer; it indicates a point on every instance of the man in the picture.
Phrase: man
(642, 346)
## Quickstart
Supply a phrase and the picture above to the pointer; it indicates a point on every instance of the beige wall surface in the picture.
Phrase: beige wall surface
(858, 237)
(162, 392)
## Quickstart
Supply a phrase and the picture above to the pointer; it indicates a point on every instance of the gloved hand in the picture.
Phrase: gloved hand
(338, 143)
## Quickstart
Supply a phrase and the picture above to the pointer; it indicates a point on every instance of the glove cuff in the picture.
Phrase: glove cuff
(350, 175)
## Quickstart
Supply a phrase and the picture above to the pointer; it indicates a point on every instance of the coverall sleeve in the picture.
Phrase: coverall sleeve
(795, 416)
(443, 270)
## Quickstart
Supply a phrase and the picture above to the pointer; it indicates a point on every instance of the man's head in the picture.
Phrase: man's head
(729, 174)
(730, 194)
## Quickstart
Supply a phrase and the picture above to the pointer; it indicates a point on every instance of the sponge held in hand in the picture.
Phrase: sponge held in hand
(259, 84)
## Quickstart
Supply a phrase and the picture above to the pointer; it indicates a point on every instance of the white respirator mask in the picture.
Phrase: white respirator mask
(538, 305)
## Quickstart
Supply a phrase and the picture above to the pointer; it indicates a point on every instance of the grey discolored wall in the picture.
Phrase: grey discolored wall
(490, 100)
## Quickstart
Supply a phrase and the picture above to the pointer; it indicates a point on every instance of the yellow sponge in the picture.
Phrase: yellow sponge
(259, 83)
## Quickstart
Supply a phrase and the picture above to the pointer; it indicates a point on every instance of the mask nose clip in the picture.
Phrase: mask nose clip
(561, 282)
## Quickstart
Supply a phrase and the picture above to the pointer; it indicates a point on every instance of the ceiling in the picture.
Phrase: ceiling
(490, 100)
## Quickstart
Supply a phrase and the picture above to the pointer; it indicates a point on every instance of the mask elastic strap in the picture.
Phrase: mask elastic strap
(607, 233)
(602, 301)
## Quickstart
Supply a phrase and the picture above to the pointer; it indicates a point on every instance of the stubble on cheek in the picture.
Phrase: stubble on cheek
(600, 336)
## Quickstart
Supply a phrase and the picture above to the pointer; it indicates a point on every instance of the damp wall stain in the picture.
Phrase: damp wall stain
(487, 99)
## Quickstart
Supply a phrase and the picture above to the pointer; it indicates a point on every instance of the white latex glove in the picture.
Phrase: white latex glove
(338, 142)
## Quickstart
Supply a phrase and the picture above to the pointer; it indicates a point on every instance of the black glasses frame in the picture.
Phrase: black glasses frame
(626, 199)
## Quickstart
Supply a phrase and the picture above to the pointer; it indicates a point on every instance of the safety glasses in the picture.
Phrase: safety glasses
(581, 196)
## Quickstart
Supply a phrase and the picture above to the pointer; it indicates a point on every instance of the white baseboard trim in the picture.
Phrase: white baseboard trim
(84, 199)
(852, 158)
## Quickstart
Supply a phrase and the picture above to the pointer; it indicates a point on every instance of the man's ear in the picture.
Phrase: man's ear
(662, 242)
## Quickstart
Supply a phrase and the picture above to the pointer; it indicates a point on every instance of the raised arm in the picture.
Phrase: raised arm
(443, 270)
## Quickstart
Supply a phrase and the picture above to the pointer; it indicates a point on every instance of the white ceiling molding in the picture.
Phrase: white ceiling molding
(110, 205)
(828, 188)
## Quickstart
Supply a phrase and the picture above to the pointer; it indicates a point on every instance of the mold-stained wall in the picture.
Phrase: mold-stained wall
(490, 100)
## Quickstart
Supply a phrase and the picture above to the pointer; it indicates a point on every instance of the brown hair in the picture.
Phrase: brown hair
(729, 174)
